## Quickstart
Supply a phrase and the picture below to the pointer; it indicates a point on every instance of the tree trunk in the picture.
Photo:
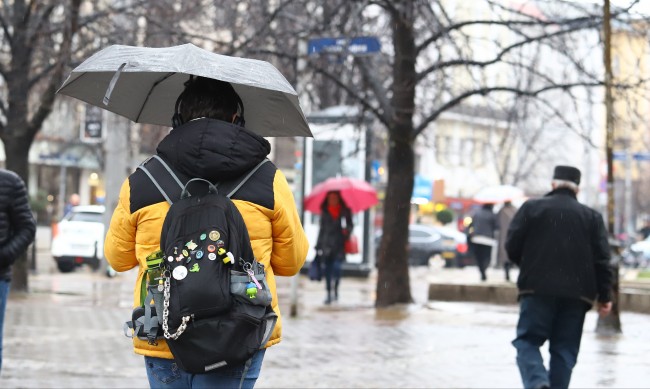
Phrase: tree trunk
(393, 286)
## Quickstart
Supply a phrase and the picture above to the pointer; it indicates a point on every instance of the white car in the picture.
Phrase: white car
(638, 254)
(78, 238)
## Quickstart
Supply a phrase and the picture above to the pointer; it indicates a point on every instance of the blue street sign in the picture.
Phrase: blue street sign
(641, 156)
(360, 45)
(422, 190)
(622, 156)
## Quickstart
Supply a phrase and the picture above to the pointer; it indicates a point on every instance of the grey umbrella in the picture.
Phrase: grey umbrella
(143, 83)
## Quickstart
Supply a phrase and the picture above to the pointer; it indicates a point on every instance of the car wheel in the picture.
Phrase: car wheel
(65, 266)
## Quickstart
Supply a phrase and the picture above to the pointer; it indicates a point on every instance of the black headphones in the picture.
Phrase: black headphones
(177, 119)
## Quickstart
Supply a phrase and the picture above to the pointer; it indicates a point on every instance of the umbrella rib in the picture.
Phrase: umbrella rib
(137, 118)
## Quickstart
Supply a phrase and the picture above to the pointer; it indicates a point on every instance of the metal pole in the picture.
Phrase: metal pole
(609, 109)
(612, 322)
(300, 66)
(62, 186)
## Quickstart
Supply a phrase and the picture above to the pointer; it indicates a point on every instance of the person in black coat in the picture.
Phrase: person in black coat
(17, 231)
(335, 228)
(482, 230)
(562, 250)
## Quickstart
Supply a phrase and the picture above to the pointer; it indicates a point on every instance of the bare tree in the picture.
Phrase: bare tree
(436, 61)
(39, 41)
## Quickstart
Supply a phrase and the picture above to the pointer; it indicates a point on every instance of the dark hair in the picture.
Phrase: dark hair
(338, 194)
(209, 98)
(488, 206)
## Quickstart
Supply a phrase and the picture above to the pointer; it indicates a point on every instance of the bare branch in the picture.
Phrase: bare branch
(486, 90)
(48, 95)
(378, 91)
(500, 55)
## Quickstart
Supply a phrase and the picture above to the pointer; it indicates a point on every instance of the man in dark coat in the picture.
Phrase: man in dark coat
(562, 250)
(17, 231)
(481, 237)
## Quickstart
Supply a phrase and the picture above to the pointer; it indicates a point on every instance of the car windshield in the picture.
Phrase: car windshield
(85, 217)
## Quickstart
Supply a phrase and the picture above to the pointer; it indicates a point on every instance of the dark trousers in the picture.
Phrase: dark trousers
(332, 277)
(483, 254)
(507, 265)
(558, 320)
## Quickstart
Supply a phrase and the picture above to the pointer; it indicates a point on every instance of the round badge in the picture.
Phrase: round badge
(203, 236)
(211, 248)
(185, 253)
(199, 254)
(212, 256)
(170, 258)
(214, 235)
(220, 243)
(179, 273)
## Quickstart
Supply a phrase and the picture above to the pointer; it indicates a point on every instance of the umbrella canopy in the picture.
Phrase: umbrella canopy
(498, 194)
(143, 83)
(357, 194)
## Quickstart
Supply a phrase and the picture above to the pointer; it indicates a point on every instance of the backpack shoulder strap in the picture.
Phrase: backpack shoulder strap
(163, 177)
(248, 175)
(171, 187)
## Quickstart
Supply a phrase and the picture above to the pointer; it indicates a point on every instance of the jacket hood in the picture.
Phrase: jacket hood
(213, 149)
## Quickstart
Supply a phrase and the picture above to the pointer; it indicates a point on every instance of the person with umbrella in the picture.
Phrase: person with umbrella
(334, 229)
(209, 141)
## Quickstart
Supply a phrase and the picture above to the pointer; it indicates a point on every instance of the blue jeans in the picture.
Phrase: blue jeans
(558, 320)
(4, 292)
(164, 373)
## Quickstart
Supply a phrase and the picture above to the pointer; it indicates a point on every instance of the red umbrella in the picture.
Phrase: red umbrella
(357, 194)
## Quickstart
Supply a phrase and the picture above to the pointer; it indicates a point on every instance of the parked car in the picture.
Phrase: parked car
(455, 250)
(425, 241)
(78, 238)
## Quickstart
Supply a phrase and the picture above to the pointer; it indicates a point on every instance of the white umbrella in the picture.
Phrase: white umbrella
(498, 194)
(143, 83)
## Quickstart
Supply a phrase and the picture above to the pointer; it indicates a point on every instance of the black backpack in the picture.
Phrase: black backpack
(216, 304)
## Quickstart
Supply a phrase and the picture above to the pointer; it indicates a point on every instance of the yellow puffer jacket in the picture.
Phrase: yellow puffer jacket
(218, 152)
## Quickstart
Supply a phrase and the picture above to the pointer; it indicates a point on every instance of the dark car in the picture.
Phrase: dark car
(424, 242)
(455, 249)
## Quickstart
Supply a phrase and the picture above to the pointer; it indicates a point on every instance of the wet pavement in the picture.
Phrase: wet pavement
(67, 333)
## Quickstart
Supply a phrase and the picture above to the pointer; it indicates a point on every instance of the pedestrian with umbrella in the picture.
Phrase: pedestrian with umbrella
(203, 96)
(334, 229)
(336, 199)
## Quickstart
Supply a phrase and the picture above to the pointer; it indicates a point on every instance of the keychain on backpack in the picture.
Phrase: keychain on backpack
(248, 268)
(251, 290)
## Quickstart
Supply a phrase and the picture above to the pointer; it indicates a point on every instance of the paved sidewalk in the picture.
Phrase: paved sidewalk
(67, 334)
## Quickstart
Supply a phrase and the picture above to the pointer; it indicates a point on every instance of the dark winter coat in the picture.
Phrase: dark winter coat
(561, 247)
(484, 222)
(332, 234)
(17, 225)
